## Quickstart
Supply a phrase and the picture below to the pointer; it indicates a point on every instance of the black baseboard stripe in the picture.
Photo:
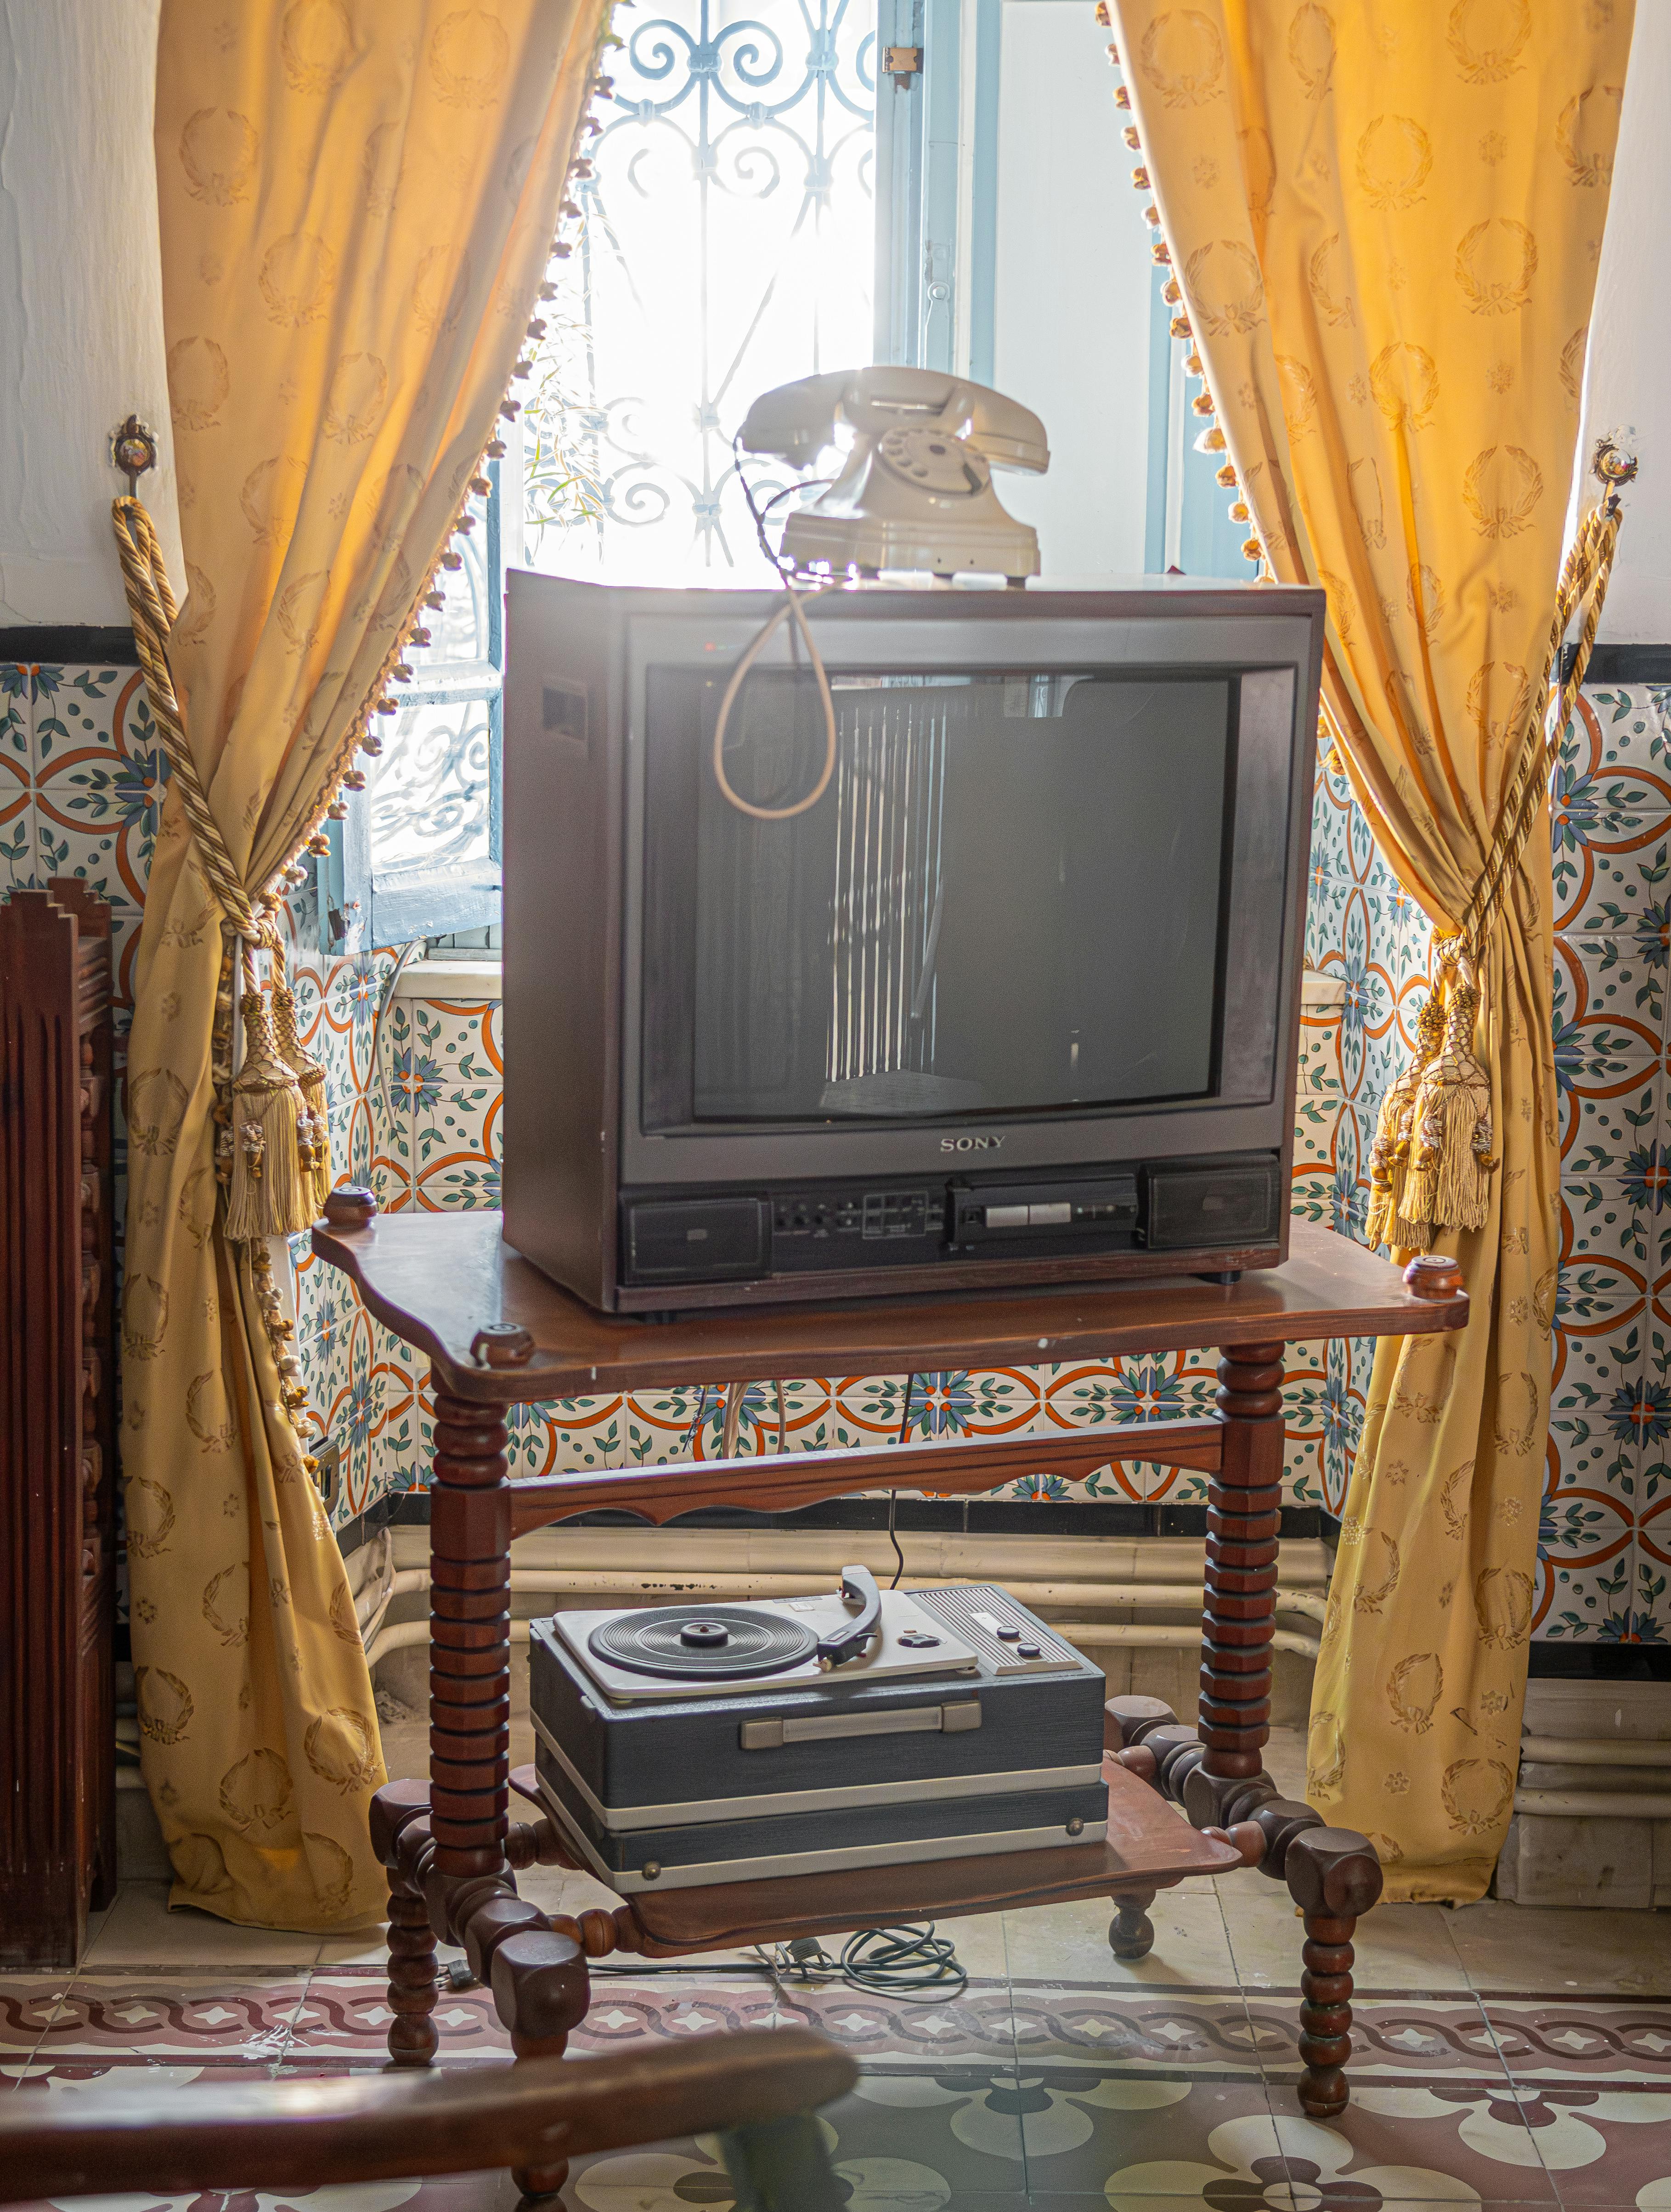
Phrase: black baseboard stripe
(974, 1517)
(70, 645)
(1623, 663)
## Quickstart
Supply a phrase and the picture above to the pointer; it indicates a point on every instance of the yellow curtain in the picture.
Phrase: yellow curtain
(357, 205)
(1385, 220)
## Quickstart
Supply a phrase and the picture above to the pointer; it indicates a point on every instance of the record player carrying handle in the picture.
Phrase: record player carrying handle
(858, 1587)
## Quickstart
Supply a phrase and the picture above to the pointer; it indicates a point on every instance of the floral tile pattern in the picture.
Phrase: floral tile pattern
(1015, 2094)
(415, 1097)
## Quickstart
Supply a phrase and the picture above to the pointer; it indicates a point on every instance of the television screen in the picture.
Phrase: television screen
(1010, 895)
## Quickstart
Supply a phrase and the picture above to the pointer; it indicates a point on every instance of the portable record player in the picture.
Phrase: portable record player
(711, 1743)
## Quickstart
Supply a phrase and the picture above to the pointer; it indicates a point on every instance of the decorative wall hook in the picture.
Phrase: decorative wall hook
(133, 450)
(1615, 462)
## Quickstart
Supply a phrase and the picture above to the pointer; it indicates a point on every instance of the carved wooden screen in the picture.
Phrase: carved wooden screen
(57, 1431)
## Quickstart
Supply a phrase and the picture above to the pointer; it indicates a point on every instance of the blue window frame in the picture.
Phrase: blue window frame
(418, 855)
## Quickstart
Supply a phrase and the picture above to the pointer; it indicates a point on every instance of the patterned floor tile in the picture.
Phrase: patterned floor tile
(672, 2008)
(1393, 2038)
(973, 2029)
(1601, 2145)
(1400, 1950)
(1166, 2032)
(1057, 1945)
(939, 2133)
(344, 2014)
(222, 2017)
(1082, 2125)
(1428, 2144)
(922, 2145)
(1583, 2039)
(29, 2003)
(141, 1931)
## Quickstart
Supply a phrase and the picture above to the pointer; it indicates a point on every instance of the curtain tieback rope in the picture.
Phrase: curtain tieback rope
(1430, 1162)
(274, 1160)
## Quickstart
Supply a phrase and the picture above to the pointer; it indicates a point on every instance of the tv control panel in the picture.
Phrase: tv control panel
(837, 1228)
(873, 1215)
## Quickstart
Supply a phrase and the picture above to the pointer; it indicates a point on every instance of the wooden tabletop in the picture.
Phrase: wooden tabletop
(436, 1279)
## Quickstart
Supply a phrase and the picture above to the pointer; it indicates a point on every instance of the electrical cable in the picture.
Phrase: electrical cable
(384, 998)
(791, 609)
(750, 654)
(783, 565)
(695, 1419)
(914, 1964)
(893, 1495)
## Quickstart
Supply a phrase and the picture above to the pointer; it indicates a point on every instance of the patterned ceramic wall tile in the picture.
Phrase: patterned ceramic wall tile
(1602, 1574)
(416, 1109)
(17, 785)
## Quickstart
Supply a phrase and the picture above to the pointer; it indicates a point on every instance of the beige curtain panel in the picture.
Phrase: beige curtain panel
(357, 208)
(1384, 220)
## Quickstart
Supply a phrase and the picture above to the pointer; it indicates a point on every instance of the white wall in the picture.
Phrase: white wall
(1071, 323)
(81, 307)
(1628, 375)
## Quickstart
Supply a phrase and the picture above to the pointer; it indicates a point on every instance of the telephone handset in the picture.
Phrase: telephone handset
(915, 490)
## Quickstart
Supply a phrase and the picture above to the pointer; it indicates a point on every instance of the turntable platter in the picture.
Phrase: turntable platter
(708, 1644)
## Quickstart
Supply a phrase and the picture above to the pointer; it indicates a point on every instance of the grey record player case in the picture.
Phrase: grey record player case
(1001, 1754)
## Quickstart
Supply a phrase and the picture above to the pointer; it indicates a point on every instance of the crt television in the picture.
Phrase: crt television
(1015, 1001)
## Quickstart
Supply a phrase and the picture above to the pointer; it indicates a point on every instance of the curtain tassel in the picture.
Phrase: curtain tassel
(1389, 1155)
(270, 1195)
(313, 1124)
(1448, 1185)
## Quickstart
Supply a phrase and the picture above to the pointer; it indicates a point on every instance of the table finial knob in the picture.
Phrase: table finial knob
(350, 1206)
(1433, 1275)
(502, 1344)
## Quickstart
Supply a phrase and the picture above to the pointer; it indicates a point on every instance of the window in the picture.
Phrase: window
(781, 188)
(418, 854)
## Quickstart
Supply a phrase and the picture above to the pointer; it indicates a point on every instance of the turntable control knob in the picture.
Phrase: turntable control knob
(1027, 1650)
(705, 1635)
(1009, 1635)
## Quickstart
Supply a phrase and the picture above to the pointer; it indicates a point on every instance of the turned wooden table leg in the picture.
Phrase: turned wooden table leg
(1131, 1932)
(1245, 1501)
(1333, 1876)
(1332, 1873)
(400, 1837)
(443, 1840)
(541, 1991)
(470, 1640)
(412, 1991)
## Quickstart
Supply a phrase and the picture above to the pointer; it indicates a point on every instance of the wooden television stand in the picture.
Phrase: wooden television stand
(498, 1334)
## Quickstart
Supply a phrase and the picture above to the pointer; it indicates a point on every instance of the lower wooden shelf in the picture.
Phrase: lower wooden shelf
(1150, 1846)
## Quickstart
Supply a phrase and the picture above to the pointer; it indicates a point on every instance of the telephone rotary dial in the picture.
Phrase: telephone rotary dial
(915, 489)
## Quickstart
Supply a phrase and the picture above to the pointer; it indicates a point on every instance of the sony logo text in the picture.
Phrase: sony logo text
(971, 1144)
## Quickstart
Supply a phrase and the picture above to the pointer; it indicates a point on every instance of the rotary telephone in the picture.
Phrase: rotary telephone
(915, 489)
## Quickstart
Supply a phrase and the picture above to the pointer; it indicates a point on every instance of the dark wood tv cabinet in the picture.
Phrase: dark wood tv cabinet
(498, 1334)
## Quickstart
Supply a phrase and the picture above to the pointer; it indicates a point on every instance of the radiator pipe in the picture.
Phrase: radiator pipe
(622, 1581)
(1593, 1804)
(1586, 1751)
(403, 1635)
